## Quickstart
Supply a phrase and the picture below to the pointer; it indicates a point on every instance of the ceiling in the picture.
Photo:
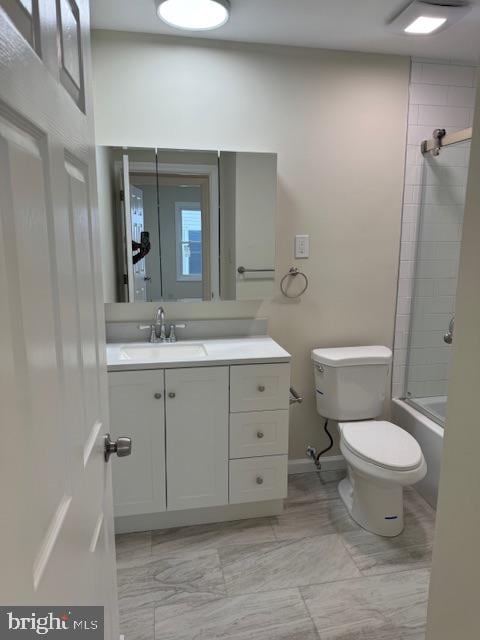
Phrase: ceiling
(354, 25)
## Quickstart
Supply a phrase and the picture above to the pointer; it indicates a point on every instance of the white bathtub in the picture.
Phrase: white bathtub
(429, 436)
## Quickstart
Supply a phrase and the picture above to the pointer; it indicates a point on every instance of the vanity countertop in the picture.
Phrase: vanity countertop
(194, 353)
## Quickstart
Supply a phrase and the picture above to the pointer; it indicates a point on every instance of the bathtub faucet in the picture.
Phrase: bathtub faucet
(448, 337)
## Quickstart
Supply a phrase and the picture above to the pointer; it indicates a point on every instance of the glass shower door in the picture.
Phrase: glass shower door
(443, 193)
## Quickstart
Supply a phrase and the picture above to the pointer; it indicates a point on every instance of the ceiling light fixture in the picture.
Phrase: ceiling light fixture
(193, 15)
(425, 24)
(425, 17)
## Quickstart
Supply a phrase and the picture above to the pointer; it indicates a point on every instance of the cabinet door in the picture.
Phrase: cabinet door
(137, 409)
(197, 437)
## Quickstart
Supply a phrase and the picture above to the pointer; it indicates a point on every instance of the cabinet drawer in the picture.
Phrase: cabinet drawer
(259, 387)
(256, 479)
(259, 433)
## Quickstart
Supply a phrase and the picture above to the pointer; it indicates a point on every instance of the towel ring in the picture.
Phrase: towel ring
(292, 273)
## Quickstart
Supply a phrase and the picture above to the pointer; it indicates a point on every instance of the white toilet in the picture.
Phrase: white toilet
(381, 457)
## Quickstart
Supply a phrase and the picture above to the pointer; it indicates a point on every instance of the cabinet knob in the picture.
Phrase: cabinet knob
(172, 394)
(260, 434)
(157, 395)
(261, 388)
(259, 480)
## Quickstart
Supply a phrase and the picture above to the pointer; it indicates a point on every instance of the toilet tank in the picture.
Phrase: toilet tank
(350, 382)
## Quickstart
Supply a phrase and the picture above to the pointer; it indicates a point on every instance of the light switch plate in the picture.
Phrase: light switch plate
(302, 247)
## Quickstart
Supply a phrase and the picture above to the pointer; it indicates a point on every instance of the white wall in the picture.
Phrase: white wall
(454, 610)
(441, 96)
(338, 124)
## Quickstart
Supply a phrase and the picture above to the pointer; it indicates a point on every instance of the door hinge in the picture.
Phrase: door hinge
(122, 195)
(125, 278)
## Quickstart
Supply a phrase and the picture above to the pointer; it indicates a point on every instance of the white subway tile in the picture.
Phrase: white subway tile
(416, 72)
(414, 155)
(424, 287)
(460, 97)
(442, 232)
(435, 304)
(411, 213)
(407, 251)
(439, 251)
(418, 133)
(443, 117)
(414, 175)
(398, 390)
(441, 175)
(445, 286)
(443, 195)
(413, 114)
(429, 94)
(437, 268)
(442, 213)
(448, 74)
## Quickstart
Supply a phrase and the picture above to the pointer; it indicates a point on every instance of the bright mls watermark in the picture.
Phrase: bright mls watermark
(59, 622)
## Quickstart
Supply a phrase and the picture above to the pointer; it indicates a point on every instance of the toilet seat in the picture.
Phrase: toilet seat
(382, 444)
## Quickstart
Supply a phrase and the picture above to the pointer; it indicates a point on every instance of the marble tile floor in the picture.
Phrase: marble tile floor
(308, 574)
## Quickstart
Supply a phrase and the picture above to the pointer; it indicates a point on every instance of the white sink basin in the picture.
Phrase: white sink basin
(163, 352)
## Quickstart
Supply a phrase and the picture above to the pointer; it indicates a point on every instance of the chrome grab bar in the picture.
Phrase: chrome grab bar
(245, 270)
(295, 398)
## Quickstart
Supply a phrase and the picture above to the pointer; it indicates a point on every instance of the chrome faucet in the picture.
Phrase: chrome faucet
(158, 332)
(448, 337)
(159, 326)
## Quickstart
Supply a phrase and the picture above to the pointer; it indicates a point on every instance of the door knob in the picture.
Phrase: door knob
(259, 480)
(122, 447)
(261, 388)
(157, 395)
(260, 434)
(171, 394)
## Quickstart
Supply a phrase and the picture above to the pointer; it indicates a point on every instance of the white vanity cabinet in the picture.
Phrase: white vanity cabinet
(197, 437)
(210, 443)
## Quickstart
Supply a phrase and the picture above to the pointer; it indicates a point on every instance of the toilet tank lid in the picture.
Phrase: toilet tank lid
(343, 356)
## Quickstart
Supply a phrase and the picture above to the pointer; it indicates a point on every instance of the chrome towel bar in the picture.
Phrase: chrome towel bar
(245, 270)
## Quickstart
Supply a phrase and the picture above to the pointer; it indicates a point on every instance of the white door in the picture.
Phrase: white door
(137, 222)
(197, 437)
(57, 544)
(137, 406)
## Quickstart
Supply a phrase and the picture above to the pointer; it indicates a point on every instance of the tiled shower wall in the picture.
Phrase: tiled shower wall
(441, 96)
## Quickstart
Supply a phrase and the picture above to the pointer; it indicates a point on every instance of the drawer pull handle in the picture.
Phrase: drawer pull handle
(260, 434)
(259, 480)
(261, 388)
(157, 395)
(172, 394)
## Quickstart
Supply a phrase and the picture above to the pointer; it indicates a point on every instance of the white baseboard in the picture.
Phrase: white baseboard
(306, 465)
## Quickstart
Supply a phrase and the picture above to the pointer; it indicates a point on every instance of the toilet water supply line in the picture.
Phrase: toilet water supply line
(312, 452)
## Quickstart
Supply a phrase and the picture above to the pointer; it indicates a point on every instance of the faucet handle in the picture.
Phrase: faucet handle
(163, 333)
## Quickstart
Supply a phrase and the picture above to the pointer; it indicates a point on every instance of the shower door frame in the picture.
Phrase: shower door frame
(434, 146)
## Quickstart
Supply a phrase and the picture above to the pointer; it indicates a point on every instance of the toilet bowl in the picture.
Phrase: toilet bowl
(381, 457)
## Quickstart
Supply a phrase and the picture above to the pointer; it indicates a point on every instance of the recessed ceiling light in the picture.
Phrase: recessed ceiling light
(425, 24)
(194, 15)
(423, 17)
